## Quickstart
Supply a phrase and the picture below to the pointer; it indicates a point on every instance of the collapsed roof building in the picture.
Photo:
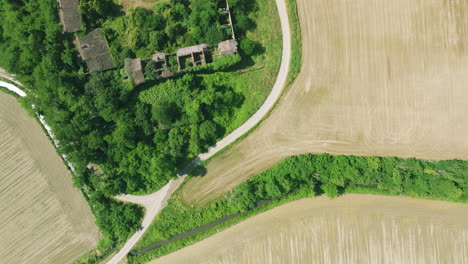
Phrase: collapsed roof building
(134, 70)
(94, 50)
(228, 47)
(69, 15)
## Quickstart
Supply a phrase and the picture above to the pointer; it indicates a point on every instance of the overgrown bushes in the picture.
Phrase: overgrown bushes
(307, 176)
(296, 41)
(133, 139)
(174, 24)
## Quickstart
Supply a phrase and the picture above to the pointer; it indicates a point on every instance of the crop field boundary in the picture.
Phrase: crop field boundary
(309, 176)
(38, 181)
(294, 70)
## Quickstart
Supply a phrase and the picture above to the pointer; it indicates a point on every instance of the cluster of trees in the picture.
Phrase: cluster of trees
(173, 24)
(96, 12)
(191, 112)
(334, 175)
(135, 138)
(308, 176)
(79, 111)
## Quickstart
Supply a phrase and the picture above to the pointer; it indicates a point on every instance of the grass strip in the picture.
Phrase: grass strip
(296, 41)
(307, 176)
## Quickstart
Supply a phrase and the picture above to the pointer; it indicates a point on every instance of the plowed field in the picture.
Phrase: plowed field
(44, 219)
(350, 229)
(379, 78)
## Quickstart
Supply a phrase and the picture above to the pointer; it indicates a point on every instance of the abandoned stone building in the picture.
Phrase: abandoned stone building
(196, 55)
(94, 50)
(228, 47)
(161, 67)
(134, 69)
(69, 15)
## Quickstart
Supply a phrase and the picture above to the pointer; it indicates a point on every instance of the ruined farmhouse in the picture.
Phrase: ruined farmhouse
(228, 47)
(69, 15)
(165, 65)
(134, 69)
(94, 50)
(196, 55)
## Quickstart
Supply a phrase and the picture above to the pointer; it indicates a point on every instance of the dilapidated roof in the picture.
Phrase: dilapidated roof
(69, 14)
(228, 47)
(134, 70)
(192, 49)
(159, 57)
(94, 50)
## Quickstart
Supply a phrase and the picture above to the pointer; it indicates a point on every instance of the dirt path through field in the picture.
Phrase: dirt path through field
(45, 219)
(383, 78)
(350, 229)
(155, 202)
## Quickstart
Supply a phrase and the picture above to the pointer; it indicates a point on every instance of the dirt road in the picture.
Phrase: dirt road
(155, 202)
(379, 78)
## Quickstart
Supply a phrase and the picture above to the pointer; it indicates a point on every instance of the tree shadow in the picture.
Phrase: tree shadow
(199, 171)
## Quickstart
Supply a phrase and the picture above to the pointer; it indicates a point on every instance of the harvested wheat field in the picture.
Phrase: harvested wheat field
(379, 78)
(350, 229)
(44, 219)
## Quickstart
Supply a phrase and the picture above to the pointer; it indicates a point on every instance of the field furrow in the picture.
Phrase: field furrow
(350, 229)
(379, 78)
(40, 223)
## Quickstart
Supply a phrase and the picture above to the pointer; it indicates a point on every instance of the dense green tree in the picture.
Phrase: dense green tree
(248, 46)
(95, 12)
(157, 40)
(207, 130)
(135, 137)
(165, 113)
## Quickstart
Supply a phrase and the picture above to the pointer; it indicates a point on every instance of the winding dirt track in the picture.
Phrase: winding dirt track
(155, 202)
(379, 78)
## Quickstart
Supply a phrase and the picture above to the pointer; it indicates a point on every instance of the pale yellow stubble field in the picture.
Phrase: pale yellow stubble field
(383, 78)
(44, 219)
(349, 229)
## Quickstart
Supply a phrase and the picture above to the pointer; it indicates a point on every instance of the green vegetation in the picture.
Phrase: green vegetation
(306, 176)
(33, 47)
(123, 138)
(296, 41)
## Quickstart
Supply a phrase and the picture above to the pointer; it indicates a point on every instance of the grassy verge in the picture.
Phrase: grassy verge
(106, 248)
(306, 176)
(294, 70)
(296, 41)
(263, 68)
(5, 90)
(176, 204)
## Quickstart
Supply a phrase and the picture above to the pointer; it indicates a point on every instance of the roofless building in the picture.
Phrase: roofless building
(196, 53)
(228, 47)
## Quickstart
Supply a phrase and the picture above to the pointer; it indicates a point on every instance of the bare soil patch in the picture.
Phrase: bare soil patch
(386, 78)
(349, 229)
(44, 219)
(128, 4)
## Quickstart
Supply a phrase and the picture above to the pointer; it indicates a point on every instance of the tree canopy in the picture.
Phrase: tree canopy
(134, 138)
